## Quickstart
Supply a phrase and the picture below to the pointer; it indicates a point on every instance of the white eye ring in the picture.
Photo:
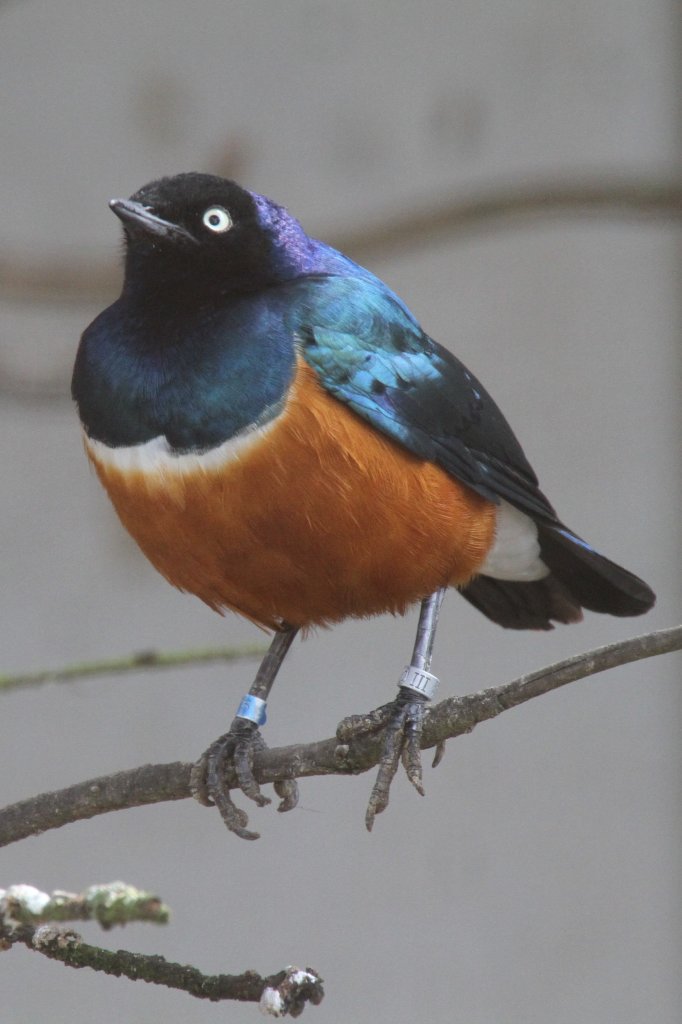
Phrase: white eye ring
(217, 219)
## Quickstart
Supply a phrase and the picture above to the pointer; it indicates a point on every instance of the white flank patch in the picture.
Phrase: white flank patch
(515, 554)
(157, 456)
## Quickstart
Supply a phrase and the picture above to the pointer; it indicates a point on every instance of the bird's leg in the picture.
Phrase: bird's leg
(406, 719)
(403, 718)
(236, 748)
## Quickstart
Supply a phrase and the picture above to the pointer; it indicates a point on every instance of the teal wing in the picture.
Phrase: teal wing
(370, 353)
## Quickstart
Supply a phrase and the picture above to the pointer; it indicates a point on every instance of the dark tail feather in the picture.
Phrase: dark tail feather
(579, 578)
(596, 582)
(523, 605)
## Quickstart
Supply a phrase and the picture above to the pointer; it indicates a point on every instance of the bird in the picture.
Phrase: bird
(284, 441)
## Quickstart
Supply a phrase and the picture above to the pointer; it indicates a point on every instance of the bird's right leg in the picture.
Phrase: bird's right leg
(236, 748)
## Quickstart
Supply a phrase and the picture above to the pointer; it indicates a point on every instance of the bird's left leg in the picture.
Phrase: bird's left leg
(403, 718)
(236, 748)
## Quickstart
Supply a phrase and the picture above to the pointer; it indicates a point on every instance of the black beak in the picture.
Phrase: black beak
(137, 218)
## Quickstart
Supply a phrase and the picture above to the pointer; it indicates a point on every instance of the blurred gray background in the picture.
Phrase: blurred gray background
(539, 879)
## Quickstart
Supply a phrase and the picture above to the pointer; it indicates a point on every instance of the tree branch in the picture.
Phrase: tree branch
(604, 194)
(114, 903)
(87, 281)
(131, 663)
(339, 755)
(283, 993)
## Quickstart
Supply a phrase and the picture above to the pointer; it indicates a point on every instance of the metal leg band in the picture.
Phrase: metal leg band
(253, 709)
(419, 680)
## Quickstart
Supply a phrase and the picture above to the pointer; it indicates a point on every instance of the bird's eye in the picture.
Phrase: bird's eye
(217, 219)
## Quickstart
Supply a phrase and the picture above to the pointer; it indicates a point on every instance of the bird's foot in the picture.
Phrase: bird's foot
(402, 721)
(209, 781)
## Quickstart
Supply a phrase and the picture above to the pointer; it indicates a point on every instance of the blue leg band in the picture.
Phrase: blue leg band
(253, 709)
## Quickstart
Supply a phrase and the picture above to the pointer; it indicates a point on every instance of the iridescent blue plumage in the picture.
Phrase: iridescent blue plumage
(197, 384)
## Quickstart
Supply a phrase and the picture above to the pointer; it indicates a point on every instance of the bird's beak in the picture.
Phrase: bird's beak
(138, 218)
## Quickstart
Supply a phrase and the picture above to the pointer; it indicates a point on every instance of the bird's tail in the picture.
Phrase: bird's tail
(579, 578)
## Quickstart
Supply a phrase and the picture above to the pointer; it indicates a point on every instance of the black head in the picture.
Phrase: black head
(206, 234)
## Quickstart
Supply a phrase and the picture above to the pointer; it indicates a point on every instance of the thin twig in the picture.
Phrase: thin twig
(132, 663)
(333, 756)
(111, 903)
(603, 195)
(27, 915)
(92, 283)
(287, 991)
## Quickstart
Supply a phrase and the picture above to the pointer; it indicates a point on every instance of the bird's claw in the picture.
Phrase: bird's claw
(210, 784)
(355, 726)
(403, 722)
(402, 741)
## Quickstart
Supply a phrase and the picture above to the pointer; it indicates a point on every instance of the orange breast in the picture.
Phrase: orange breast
(318, 518)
